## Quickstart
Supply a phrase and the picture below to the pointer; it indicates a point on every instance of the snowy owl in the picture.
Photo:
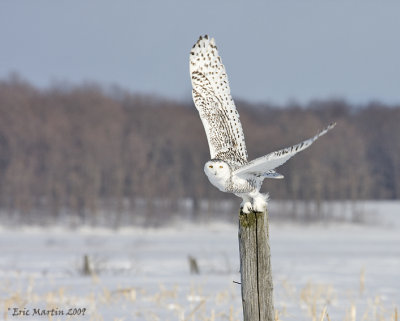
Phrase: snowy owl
(228, 169)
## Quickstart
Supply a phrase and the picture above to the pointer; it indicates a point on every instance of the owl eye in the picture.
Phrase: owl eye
(221, 166)
(211, 166)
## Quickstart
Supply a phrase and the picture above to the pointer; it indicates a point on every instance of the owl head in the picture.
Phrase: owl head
(217, 171)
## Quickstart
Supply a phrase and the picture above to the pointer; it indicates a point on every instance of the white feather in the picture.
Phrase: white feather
(212, 98)
(273, 160)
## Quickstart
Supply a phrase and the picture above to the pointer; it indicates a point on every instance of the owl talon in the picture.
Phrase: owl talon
(246, 207)
(260, 202)
(259, 208)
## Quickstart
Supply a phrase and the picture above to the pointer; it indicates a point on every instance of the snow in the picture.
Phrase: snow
(143, 274)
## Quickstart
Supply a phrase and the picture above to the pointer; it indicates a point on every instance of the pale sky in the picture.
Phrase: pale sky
(273, 51)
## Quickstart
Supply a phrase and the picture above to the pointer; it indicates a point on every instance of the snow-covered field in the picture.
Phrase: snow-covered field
(143, 274)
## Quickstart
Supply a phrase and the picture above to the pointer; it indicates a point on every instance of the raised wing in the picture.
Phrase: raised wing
(212, 98)
(264, 164)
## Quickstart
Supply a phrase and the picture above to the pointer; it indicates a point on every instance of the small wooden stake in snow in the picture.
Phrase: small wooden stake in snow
(255, 267)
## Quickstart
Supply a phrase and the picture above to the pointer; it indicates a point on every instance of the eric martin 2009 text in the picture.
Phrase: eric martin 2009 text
(31, 312)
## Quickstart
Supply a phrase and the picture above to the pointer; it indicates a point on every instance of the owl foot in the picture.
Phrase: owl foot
(246, 207)
(259, 204)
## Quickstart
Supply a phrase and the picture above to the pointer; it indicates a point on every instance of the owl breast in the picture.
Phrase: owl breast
(220, 182)
(243, 185)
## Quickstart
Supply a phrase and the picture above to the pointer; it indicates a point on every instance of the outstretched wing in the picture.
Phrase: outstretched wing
(212, 98)
(264, 164)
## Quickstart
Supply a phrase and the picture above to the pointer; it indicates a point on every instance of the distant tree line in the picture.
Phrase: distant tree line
(84, 149)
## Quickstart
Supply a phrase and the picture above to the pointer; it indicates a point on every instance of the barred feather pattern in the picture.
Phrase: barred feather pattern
(212, 98)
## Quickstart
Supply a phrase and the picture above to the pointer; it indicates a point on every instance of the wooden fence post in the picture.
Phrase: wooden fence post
(255, 267)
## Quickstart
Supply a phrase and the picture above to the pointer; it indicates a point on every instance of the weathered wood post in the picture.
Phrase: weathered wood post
(255, 267)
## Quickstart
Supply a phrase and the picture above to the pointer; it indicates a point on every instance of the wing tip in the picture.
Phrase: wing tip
(204, 41)
(331, 125)
(325, 130)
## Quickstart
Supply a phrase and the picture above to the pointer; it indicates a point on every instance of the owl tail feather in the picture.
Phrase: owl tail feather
(272, 174)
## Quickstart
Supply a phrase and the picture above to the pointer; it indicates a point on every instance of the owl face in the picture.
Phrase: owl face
(218, 172)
